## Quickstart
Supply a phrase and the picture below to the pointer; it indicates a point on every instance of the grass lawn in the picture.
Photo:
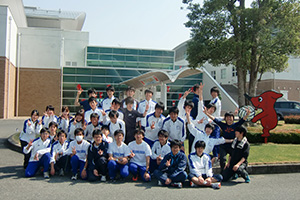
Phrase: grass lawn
(281, 128)
(274, 153)
(270, 153)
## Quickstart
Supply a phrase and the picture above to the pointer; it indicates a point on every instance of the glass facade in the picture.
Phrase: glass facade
(111, 66)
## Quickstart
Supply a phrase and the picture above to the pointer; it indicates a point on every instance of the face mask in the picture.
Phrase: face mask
(79, 138)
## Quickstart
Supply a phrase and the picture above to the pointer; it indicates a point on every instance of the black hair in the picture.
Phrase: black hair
(94, 115)
(160, 105)
(163, 133)
(229, 114)
(116, 101)
(78, 130)
(104, 127)
(242, 129)
(200, 144)
(210, 105)
(175, 143)
(188, 103)
(129, 100)
(97, 132)
(92, 99)
(148, 91)
(174, 110)
(111, 88)
(44, 130)
(215, 89)
(81, 113)
(35, 112)
(113, 113)
(130, 88)
(49, 107)
(53, 123)
(91, 90)
(211, 126)
(139, 131)
(196, 86)
(118, 131)
(61, 132)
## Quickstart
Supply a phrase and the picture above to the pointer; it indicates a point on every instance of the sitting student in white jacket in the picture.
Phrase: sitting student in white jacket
(159, 149)
(40, 154)
(59, 158)
(201, 169)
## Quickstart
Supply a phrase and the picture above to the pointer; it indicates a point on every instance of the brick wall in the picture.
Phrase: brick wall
(39, 88)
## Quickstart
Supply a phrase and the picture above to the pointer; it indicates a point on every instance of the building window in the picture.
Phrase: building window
(234, 73)
(68, 63)
(74, 63)
(213, 74)
(223, 73)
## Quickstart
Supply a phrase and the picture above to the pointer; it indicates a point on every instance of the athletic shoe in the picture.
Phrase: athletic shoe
(103, 178)
(61, 172)
(235, 176)
(247, 179)
(46, 175)
(216, 185)
(135, 178)
(159, 183)
(192, 184)
(177, 185)
(74, 177)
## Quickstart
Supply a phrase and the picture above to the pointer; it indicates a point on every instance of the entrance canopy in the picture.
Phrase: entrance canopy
(157, 77)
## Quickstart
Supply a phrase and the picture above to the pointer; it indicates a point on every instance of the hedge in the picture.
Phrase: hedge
(292, 119)
(280, 138)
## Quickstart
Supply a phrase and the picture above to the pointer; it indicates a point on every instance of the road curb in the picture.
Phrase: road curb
(252, 169)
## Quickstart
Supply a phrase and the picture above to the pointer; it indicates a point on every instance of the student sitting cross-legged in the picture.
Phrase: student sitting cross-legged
(139, 157)
(40, 154)
(201, 169)
(171, 169)
(118, 153)
(97, 158)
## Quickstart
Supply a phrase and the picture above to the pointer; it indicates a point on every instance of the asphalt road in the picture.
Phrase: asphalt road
(13, 184)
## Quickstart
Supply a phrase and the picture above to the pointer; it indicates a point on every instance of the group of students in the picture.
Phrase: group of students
(114, 138)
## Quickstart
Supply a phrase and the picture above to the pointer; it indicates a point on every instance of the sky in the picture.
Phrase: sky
(153, 24)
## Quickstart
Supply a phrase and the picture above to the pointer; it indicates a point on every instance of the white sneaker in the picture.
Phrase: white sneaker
(103, 178)
(61, 172)
(216, 185)
(159, 183)
(46, 175)
(74, 177)
(178, 185)
(192, 184)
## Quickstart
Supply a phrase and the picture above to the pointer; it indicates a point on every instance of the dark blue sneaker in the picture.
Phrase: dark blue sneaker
(247, 179)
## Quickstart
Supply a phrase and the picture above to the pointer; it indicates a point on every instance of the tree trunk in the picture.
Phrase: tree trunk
(241, 85)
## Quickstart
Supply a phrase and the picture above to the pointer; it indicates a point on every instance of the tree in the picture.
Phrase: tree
(255, 40)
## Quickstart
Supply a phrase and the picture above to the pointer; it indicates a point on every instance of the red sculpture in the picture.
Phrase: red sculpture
(268, 116)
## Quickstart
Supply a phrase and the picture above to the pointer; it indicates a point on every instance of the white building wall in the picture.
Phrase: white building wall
(8, 35)
(41, 48)
(3, 25)
(74, 47)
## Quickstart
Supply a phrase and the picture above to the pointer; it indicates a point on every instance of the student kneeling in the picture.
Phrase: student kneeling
(200, 168)
(171, 169)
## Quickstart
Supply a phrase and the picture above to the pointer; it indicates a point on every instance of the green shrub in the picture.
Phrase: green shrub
(292, 119)
(280, 138)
